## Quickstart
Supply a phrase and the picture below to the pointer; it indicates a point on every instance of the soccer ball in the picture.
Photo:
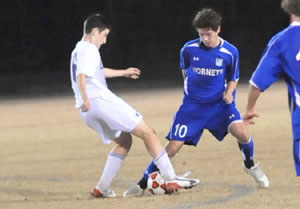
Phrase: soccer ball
(156, 183)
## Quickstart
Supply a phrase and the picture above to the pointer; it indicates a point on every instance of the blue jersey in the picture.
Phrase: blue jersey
(281, 58)
(208, 70)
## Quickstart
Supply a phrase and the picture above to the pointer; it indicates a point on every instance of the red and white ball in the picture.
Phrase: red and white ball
(156, 184)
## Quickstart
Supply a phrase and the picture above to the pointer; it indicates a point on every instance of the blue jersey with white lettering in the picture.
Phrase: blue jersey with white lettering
(208, 70)
(281, 58)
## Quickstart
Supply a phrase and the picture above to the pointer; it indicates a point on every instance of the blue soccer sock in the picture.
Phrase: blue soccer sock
(150, 169)
(247, 150)
(297, 156)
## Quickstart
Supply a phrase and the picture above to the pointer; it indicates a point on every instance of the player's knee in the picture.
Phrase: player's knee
(240, 132)
(142, 130)
(243, 137)
(148, 132)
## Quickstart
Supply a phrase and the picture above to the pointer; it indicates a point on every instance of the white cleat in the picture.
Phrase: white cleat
(134, 191)
(258, 175)
(180, 183)
(187, 183)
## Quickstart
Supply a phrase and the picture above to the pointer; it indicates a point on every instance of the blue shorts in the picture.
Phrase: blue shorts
(191, 119)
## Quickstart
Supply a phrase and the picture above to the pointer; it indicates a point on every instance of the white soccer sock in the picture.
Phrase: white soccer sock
(164, 165)
(112, 166)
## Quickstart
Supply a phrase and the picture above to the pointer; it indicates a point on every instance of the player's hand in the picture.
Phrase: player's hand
(228, 97)
(86, 106)
(132, 72)
(249, 116)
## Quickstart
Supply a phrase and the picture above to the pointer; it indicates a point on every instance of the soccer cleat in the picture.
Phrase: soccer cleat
(134, 191)
(258, 175)
(107, 194)
(187, 183)
(179, 183)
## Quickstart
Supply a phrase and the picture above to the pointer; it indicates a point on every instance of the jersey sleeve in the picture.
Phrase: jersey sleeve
(184, 59)
(87, 62)
(269, 69)
(233, 71)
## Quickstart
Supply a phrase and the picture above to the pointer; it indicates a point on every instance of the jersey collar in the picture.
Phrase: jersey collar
(295, 23)
(201, 45)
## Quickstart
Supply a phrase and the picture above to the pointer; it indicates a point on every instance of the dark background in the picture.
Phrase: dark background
(37, 38)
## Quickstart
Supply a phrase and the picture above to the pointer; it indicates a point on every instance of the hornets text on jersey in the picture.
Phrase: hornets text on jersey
(208, 70)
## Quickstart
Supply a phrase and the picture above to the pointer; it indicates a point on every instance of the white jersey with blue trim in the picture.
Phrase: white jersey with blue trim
(208, 70)
(85, 59)
(281, 58)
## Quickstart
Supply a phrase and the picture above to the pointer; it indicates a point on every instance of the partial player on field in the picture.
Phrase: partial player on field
(210, 68)
(110, 116)
(281, 58)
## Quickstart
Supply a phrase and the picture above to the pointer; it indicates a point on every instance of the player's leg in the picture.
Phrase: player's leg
(159, 154)
(183, 129)
(106, 117)
(172, 148)
(239, 130)
(112, 165)
(154, 147)
(245, 142)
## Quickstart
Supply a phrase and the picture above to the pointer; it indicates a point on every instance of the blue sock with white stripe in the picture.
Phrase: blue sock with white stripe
(247, 150)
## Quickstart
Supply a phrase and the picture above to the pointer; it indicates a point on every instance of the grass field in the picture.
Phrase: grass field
(50, 159)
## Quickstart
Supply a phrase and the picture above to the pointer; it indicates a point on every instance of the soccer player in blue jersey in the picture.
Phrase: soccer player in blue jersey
(210, 67)
(281, 58)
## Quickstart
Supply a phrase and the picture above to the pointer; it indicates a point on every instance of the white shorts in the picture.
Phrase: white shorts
(110, 116)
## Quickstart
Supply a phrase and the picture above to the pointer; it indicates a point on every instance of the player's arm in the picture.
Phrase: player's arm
(81, 82)
(232, 76)
(228, 93)
(131, 72)
(250, 113)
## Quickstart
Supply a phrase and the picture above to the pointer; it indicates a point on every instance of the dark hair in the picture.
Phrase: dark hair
(95, 21)
(291, 6)
(207, 18)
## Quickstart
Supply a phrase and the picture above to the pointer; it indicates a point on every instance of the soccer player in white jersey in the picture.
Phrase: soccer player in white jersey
(281, 58)
(111, 117)
(210, 67)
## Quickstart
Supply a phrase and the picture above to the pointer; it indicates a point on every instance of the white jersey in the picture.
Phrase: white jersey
(109, 115)
(86, 60)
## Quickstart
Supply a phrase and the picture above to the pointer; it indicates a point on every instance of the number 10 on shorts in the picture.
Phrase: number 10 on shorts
(181, 130)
